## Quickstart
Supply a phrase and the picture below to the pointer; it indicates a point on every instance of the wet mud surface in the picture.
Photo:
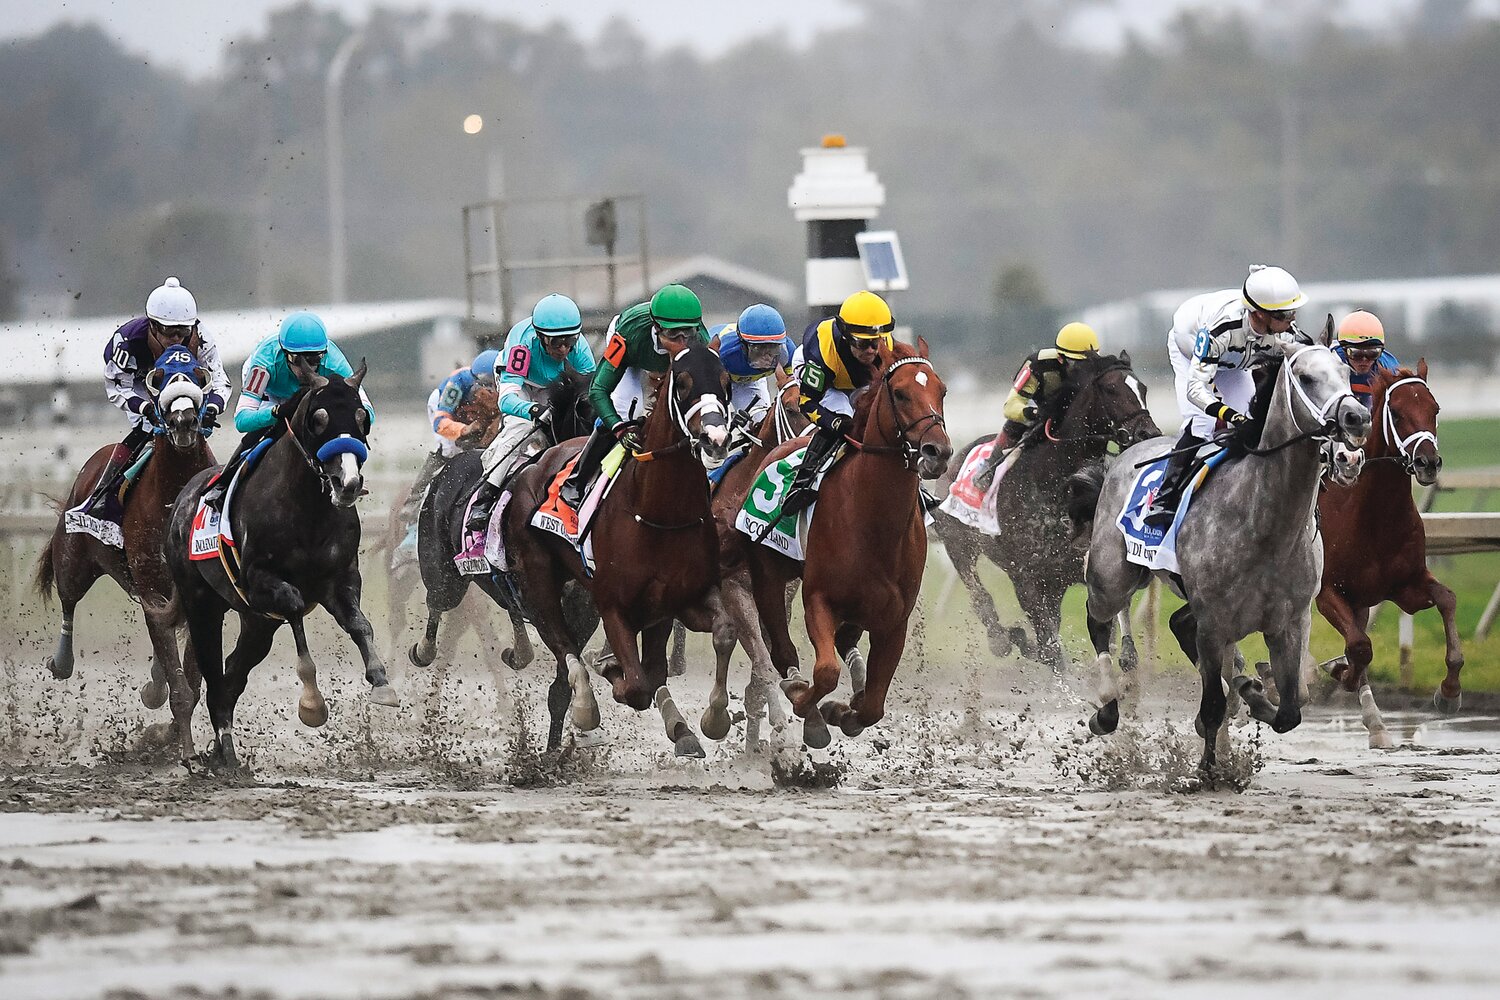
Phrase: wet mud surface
(433, 851)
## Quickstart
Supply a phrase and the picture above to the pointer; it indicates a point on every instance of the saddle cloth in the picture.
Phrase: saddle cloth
(763, 505)
(1147, 545)
(547, 520)
(966, 502)
(105, 520)
(211, 529)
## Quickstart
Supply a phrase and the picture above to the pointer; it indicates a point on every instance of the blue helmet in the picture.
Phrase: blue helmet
(302, 332)
(761, 324)
(484, 364)
(556, 316)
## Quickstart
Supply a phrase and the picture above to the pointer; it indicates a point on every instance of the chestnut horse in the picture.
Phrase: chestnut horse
(1374, 545)
(865, 549)
(656, 555)
(73, 561)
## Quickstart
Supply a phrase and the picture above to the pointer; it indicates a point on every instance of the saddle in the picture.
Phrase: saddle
(1149, 545)
(102, 513)
(211, 535)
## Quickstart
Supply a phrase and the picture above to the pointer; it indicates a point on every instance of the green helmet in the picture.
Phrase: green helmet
(676, 306)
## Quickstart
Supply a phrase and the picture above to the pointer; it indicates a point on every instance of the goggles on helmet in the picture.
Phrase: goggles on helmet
(859, 332)
(559, 340)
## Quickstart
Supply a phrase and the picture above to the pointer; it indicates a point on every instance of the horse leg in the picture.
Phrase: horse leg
(1212, 657)
(1107, 717)
(521, 653)
(344, 607)
(168, 676)
(626, 678)
(424, 650)
(1130, 681)
(739, 606)
(847, 641)
(155, 691)
(868, 704)
(1184, 628)
(964, 554)
(822, 629)
(1358, 652)
(1043, 608)
(311, 708)
(713, 615)
(1286, 648)
(206, 638)
(70, 590)
(677, 662)
(1448, 698)
(654, 669)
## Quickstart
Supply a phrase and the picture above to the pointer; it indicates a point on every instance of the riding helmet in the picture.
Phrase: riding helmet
(302, 332)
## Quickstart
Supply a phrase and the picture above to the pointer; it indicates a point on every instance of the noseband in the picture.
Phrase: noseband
(1406, 447)
(910, 452)
(1327, 427)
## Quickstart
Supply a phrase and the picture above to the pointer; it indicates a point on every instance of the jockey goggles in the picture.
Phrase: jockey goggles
(566, 340)
(313, 359)
(1363, 353)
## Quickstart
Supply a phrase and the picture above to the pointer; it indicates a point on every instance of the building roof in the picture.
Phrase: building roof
(72, 350)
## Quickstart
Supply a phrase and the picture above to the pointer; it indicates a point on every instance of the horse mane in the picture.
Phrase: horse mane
(864, 399)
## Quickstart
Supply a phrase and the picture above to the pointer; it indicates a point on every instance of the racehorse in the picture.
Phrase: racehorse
(1248, 554)
(1100, 402)
(655, 551)
(440, 526)
(1374, 545)
(865, 549)
(73, 561)
(296, 536)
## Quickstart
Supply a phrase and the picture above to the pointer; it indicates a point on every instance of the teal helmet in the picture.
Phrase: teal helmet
(302, 333)
(557, 316)
(484, 363)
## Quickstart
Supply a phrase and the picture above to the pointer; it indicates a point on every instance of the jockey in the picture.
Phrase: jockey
(538, 350)
(1040, 376)
(1215, 338)
(835, 359)
(171, 319)
(460, 409)
(753, 350)
(642, 339)
(1361, 346)
(269, 379)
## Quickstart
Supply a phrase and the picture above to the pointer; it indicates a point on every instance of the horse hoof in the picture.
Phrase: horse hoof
(61, 671)
(1106, 719)
(588, 739)
(688, 746)
(509, 658)
(1381, 740)
(850, 725)
(153, 695)
(585, 717)
(1446, 705)
(417, 659)
(225, 754)
(815, 732)
(313, 712)
(385, 695)
(715, 722)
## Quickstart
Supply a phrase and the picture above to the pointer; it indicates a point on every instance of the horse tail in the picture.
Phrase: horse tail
(1084, 487)
(46, 573)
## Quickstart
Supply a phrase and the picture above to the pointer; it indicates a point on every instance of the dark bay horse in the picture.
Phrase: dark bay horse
(1100, 402)
(1374, 544)
(297, 536)
(73, 561)
(1248, 554)
(866, 547)
(656, 553)
(440, 526)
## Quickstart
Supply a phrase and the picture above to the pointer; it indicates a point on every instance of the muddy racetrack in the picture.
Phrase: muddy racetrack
(430, 851)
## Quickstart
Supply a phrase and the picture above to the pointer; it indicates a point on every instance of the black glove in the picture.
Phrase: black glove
(539, 413)
(209, 418)
(627, 432)
(1029, 412)
(149, 411)
(839, 423)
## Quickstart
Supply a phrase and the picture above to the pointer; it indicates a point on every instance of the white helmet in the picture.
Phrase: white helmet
(172, 305)
(1272, 289)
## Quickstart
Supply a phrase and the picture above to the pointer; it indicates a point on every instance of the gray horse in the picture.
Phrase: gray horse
(1248, 551)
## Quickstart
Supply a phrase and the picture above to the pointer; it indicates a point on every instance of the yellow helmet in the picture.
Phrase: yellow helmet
(866, 316)
(1076, 340)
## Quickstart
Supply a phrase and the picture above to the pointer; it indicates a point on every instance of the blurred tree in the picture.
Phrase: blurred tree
(208, 248)
(1462, 335)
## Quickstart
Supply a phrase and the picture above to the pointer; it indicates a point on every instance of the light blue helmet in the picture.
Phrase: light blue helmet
(484, 363)
(556, 316)
(301, 333)
(761, 324)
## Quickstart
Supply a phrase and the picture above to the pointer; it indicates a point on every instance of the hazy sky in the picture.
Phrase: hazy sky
(191, 34)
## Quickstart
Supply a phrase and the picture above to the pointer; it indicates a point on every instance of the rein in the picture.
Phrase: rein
(910, 453)
(1119, 425)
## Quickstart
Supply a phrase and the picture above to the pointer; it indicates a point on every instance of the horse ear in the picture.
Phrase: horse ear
(358, 376)
(921, 345)
(1421, 367)
(306, 379)
(1327, 338)
(1125, 358)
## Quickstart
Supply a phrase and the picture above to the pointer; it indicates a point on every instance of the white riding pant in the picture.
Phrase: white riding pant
(1235, 387)
(834, 400)
(629, 396)
(448, 447)
(510, 446)
(753, 398)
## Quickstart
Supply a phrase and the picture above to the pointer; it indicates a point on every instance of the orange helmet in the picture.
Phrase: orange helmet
(1361, 329)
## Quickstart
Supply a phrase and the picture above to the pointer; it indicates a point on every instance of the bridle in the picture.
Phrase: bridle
(338, 445)
(909, 451)
(1406, 447)
(705, 404)
(1327, 426)
(1121, 434)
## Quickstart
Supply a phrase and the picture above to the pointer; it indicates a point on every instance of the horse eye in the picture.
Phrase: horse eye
(900, 396)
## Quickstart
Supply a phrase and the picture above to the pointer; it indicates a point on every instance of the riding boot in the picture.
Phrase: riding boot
(598, 446)
(114, 470)
(1164, 506)
(1004, 442)
(482, 507)
(801, 493)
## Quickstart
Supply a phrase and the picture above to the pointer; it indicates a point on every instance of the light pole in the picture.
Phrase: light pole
(333, 110)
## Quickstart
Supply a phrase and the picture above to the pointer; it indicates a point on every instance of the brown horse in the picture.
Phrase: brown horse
(866, 548)
(73, 561)
(1100, 402)
(1374, 545)
(655, 550)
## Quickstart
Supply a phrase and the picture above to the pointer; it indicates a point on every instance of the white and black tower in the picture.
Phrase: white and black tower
(836, 194)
